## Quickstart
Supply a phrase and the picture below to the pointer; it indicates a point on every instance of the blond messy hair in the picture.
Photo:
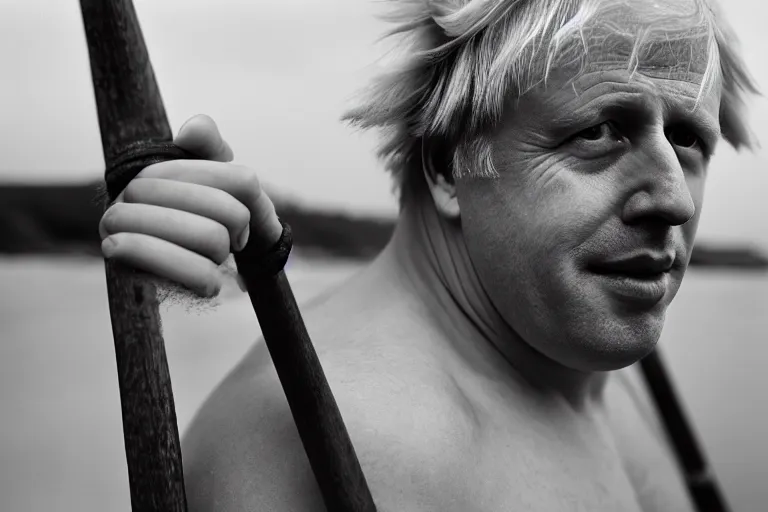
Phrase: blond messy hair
(466, 58)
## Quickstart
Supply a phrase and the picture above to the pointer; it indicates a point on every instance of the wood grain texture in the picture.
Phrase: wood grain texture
(150, 430)
(130, 109)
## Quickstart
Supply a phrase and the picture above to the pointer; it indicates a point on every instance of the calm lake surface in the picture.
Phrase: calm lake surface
(61, 445)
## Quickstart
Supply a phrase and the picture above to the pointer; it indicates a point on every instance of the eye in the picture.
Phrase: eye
(685, 137)
(596, 132)
(597, 141)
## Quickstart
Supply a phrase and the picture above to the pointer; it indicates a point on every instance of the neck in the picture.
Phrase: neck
(427, 252)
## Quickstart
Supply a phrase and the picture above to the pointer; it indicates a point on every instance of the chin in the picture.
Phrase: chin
(612, 344)
(606, 362)
(610, 329)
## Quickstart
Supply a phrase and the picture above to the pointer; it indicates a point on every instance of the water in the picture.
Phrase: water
(61, 445)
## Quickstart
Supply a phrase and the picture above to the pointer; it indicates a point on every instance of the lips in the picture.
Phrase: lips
(646, 265)
(642, 279)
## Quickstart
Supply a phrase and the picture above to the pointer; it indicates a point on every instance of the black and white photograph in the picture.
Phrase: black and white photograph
(383, 256)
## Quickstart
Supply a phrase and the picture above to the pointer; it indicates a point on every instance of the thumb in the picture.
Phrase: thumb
(200, 135)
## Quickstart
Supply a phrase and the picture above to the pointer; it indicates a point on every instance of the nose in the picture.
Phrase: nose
(660, 190)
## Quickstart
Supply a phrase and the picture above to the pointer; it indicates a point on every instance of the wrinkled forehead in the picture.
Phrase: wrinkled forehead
(664, 39)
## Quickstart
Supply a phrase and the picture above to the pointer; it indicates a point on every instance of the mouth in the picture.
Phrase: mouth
(643, 279)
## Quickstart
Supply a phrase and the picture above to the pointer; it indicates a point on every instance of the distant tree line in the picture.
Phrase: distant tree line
(58, 219)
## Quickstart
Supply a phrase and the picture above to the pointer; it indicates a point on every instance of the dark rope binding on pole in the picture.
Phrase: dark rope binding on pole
(130, 110)
(135, 133)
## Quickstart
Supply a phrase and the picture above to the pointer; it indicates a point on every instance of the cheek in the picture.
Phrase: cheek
(557, 211)
(528, 232)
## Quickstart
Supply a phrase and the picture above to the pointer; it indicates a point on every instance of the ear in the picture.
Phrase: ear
(443, 189)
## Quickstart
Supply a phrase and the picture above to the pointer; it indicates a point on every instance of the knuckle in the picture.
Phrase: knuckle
(251, 183)
(242, 217)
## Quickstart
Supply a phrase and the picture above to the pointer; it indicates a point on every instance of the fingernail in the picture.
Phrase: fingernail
(187, 122)
(244, 238)
(108, 246)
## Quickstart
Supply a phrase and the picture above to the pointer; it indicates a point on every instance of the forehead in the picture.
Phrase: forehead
(664, 38)
(665, 45)
(654, 91)
(632, 57)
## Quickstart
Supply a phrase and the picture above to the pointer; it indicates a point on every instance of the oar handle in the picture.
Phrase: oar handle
(701, 482)
(130, 109)
(315, 412)
(150, 430)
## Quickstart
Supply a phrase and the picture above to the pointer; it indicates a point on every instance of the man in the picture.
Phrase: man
(551, 157)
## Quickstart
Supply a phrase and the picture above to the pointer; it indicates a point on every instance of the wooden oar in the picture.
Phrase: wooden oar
(135, 133)
(700, 480)
(129, 110)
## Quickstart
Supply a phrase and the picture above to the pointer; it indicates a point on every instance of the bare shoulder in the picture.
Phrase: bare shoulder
(243, 452)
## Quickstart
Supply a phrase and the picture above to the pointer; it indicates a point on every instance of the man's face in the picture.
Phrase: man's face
(583, 240)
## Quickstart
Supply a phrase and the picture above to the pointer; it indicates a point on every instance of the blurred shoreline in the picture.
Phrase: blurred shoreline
(63, 219)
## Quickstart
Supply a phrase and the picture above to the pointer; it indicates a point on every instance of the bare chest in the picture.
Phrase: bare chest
(531, 467)
(617, 464)
(507, 458)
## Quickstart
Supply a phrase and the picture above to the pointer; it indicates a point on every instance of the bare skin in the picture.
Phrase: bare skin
(483, 361)
(439, 423)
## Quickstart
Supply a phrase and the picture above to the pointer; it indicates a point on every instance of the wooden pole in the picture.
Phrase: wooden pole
(131, 116)
(317, 417)
(701, 482)
(130, 109)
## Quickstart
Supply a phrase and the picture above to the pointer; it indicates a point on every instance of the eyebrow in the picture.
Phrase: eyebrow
(696, 116)
(636, 99)
(676, 112)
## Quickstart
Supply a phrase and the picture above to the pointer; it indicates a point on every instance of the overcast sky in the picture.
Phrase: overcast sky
(276, 75)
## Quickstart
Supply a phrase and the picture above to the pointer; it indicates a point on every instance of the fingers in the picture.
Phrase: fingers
(181, 218)
(240, 182)
(188, 230)
(201, 200)
(201, 136)
(164, 259)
